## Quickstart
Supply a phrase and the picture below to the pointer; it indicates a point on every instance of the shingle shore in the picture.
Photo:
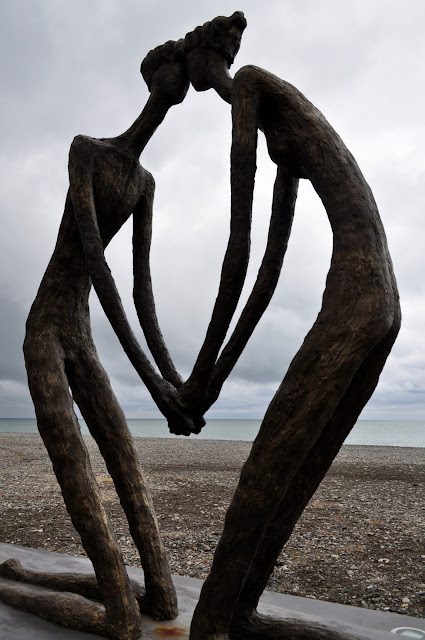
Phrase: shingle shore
(359, 542)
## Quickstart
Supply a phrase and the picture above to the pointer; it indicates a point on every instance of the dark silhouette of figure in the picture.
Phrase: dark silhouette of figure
(107, 185)
(337, 368)
(326, 386)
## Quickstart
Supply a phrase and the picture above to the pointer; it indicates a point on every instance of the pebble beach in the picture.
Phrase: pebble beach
(360, 541)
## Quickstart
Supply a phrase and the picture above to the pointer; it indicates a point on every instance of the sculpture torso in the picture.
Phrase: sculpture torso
(118, 181)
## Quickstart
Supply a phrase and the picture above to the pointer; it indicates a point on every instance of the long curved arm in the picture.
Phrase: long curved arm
(142, 291)
(336, 363)
(235, 264)
(284, 198)
(81, 169)
(81, 161)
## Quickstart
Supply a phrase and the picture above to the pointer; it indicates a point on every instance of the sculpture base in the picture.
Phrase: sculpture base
(362, 623)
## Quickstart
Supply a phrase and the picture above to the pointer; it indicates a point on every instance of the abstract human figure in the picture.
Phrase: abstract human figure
(333, 374)
(107, 185)
(327, 384)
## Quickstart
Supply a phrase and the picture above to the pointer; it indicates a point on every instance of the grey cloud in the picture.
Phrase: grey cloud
(74, 68)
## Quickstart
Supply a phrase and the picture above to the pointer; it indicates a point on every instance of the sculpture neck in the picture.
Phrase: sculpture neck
(222, 83)
(141, 131)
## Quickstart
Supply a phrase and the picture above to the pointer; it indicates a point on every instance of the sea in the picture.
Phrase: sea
(387, 433)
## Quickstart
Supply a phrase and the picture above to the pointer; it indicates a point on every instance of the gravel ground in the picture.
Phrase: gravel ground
(359, 542)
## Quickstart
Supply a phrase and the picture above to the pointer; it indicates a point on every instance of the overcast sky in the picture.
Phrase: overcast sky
(73, 67)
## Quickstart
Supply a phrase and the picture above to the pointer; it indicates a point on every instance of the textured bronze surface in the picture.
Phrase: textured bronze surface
(326, 386)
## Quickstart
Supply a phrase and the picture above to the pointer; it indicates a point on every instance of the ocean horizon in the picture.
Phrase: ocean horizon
(391, 433)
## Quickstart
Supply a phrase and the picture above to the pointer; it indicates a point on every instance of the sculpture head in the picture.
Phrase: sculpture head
(164, 69)
(211, 49)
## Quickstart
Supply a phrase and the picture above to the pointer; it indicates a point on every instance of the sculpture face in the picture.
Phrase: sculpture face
(204, 66)
(171, 79)
(234, 38)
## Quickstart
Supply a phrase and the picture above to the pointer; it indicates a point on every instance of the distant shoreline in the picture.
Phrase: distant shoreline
(399, 433)
(172, 438)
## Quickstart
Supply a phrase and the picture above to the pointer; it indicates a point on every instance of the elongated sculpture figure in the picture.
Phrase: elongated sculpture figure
(107, 185)
(327, 384)
(334, 373)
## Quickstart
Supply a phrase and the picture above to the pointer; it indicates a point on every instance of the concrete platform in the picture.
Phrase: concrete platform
(364, 624)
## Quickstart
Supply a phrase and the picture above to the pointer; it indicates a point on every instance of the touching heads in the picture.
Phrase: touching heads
(203, 57)
(210, 49)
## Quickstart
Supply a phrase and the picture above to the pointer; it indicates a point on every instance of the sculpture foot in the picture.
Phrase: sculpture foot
(67, 609)
(257, 627)
(84, 584)
(158, 608)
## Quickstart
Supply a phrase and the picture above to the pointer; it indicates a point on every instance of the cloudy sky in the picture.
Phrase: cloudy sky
(73, 67)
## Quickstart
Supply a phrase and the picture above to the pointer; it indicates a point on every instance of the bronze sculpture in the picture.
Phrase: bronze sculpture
(333, 374)
(107, 185)
(326, 386)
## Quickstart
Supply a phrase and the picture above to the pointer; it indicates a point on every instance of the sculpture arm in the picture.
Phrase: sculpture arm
(284, 198)
(81, 168)
(142, 291)
(243, 168)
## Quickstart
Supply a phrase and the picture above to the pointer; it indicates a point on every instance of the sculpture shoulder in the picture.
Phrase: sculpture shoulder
(103, 147)
(107, 157)
(82, 140)
(85, 149)
(249, 70)
(267, 82)
(247, 75)
(256, 75)
(82, 144)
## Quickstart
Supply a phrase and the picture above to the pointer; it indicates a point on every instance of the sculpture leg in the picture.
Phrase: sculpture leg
(59, 429)
(304, 485)
(107, 424)
(317, 379)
